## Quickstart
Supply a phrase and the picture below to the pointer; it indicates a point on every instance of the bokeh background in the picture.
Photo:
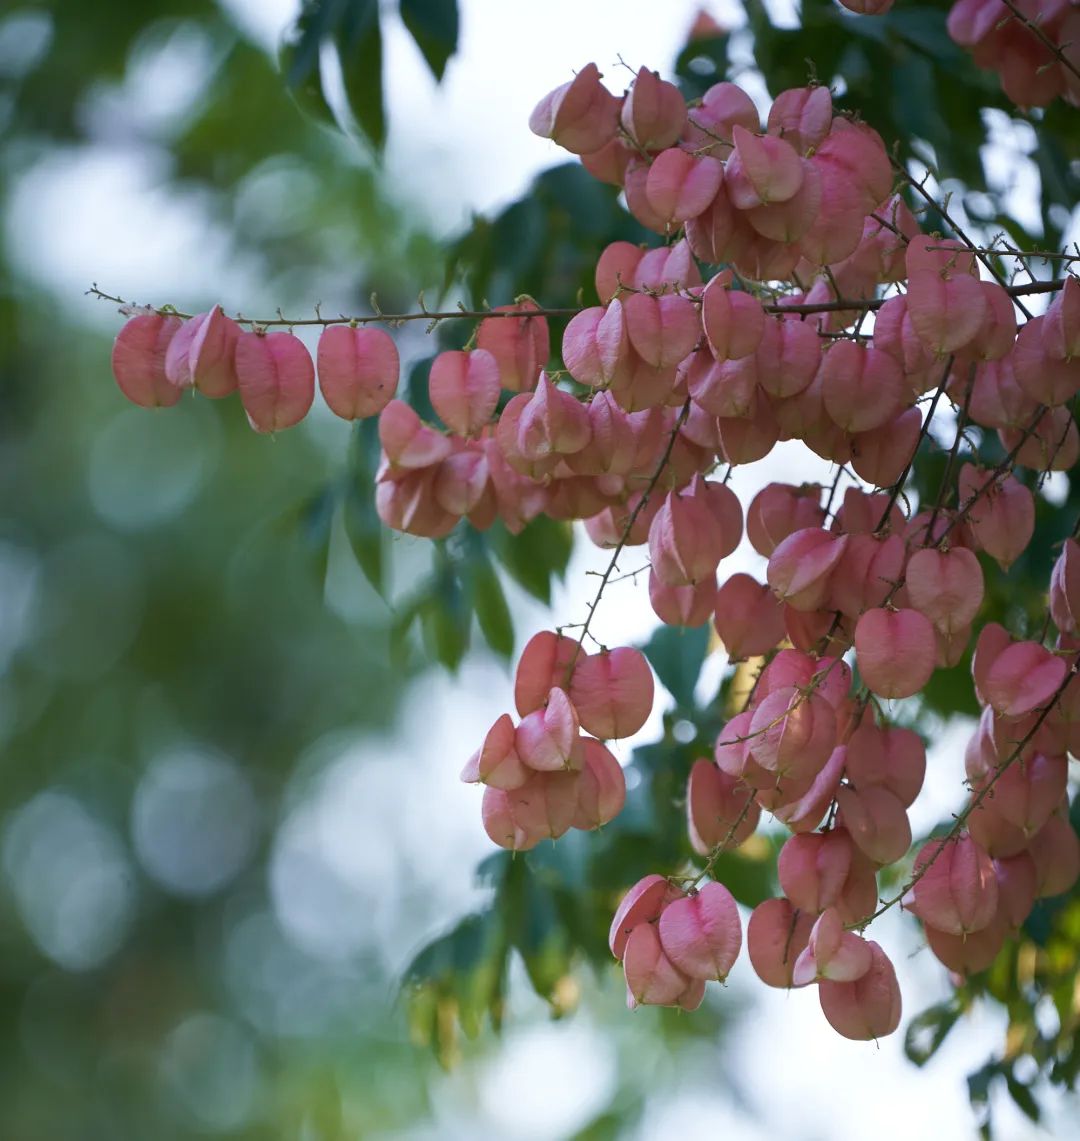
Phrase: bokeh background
(229, 808)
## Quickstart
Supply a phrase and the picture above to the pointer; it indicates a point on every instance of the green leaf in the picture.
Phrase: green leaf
(433, 24)
(366, 536)
(1022, 1095)
(676, 654)
(359, 48)
(531, 558)
(446, 618)
(492, 612)
(928, 1030)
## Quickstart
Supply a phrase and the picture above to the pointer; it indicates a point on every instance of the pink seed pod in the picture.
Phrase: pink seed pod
(780, 509)
(1017, 885)
(651, 978)
(943, 256)
(542, 808)
(358, 370)
(667, 269)
(789, 669)
(861, 388)
(202, 354)
(579, 347)
(786, 222)
(734, 322)
(680, 185)
(877, 821)
(894, 758)
(662, 329)
(702, 934)
(863, 513)
(615, 270)
(545, 663)
(813, 868)
(806, 812)
(800, 567)
(276, 378)
(802, 116)
(866, 574)
(612, 692)
(547, 739)
(520, 345)
(138, 360)
(601, 789)
(869, 1007)
(1053, 446)
(682, 605)
(1042, 377)
(837, 230)
(881, 454)
(748, 618)
(723, 388)
(635, 182)
(613, 446)
(581, 116)
(814, 631)
(405, 501)
(832, 953)
(792, 734)
(725, 506)
(787, 357)
(1028, 791)
(896, 651)
(409, 443)
(709, 125)
(1061, 322)
(609, 163)
(957, 893)
(1023, 677)
(946, 586)
(967, 954)
(946, 313)
(1055, 848)
(997, 334)
(653, 112)
(719, 808)
(1065, 588)
(993, 639)
(553, 423)
(686, 541)
(776, 936)
(744, 441)
(496, 763)
(996, 399)
(764, 169)
(1003, 517)
(464, 389)
(732, 744)
(641, 904)
(721, 232)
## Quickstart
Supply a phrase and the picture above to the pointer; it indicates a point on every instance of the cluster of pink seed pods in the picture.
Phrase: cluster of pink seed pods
(667, 377)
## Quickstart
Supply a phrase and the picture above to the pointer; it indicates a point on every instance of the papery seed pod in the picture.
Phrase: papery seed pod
(653, 112)
(806, 812)
(970, 953)
(1055, 849)
(545, 663)
(464, 389)
(877, 821)
(276, 378)
(551, 423)
(542, 808)
(861, 388)
(641, 904)
(1061, 322)
(690, 606)
(732, 744)
(651, 977)
(546, 738)
(686, 540)
(748, 617)
(680, 185)
(813, 868)
(667, 269)
(743, 441)
(832, 953)
(406, 500)
(520, 345)
(581, 116)
(358, 370)
(881, 454)
(701, 934)
(615, 270)
(719, 808)
(763, 169)
(802, 116)
(780, 509)
(734, 322)
(787, 357)
(896, 651)
(946, 586)
(496, 763)
(1065, 588)
(202, 355)
(947, 313)
(1043, 377)
(662, 329)
(1017, 886)
(408, 442)
(869, 1007)
(776, 936)
(709, 125)
(800, 567)
(138, 360)
(612, 692)
(793, 734)
(1023, 677)
(957, 892)
(601, 787)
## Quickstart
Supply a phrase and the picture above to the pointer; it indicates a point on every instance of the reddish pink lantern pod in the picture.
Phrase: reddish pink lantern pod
(813, 868)
(881, 454)
(680, 185)
(763, 169)
(1023, 677)
(701, 934)
(1042, 376)
(552, 423)
(1054, 445)
(1065, 588)
(862, 388)
(1055, 849)
(806, 812)
(651, 977)
(668, 269)
(612, 692)
(682, 605)
(358, 370)
(496, 763)
(867, 1008)
(520, 345)
(946, 312)
(784, 223)
(406, 500)
(540, 809)
(957, 893)
(893, 758)
(1028, 790)
(1061, 322)
(967, 954)
(877, 821)
(686, 541)
(545, 663)
(601, 789)
(464, 389)
(780, 509)
(732, 744)
(896, 651)
(800, 567)
(1001, 515)
(787, 357)
(581, 116)
(867, 573)
(832, 953)
(276, 378)
(138, 360)
(776, 936)
(462, 482)
(616, 268)
(743, 441)
(407, 441)
(946, 586)
(802, 115)
(793, 734)
(641, 904)
(653, 112)
(202, 354)
(719, 808)
(748, 618)
(1017, 888)
(734, 321)
(662, 329)
(547, 739)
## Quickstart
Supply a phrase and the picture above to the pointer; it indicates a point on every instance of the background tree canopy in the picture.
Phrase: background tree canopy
(199, 628)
